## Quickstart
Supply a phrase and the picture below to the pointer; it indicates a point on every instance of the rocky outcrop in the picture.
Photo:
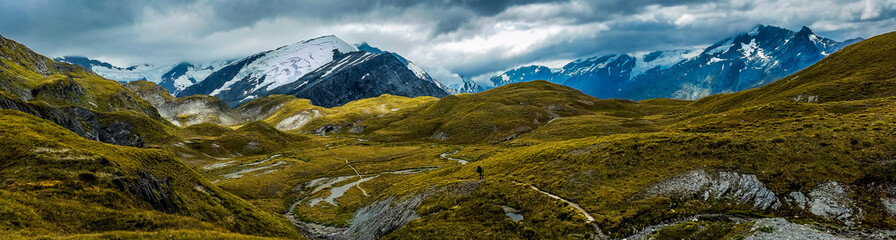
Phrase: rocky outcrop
(829, 200)
(257, 112)
(778, 228)
(382, 217)
(298, 120)
(154, 190)
(112, 130)
(188, 110)
(888, 199)
(741, 188)
(84, 122)
(64, 90)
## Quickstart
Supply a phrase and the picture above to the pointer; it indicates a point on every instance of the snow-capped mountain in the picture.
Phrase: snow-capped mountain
(359, 75)
(252, 77)
(743, 61)
(174, 77)
(413, 67)
(324, 60)
(468, 86)
(525, 74)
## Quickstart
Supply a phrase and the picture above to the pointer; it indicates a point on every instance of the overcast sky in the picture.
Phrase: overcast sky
(446, 37)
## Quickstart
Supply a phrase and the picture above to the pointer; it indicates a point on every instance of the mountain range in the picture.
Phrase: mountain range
(743, 61)
(305, 69)
(174, 77)
(807, 156)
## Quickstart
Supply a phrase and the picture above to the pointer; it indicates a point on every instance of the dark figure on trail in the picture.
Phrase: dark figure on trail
(479, 170)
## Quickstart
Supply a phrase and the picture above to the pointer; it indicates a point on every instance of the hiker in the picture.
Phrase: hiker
(479, 170)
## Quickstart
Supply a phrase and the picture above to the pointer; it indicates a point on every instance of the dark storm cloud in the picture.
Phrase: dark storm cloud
(469, 37)
(60, 18)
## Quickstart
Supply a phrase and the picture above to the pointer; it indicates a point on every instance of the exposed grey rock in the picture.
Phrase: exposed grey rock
(742, 188)
(889, 204)
(258, 113)
(298, 120)
(357, 129)
(645, 232)
(798, 199)
(831, 200)
(382, 217)
(154, 190)
(886, 193)
(781, 229)
(189, 110)
(440, 136)
(84, 122)
(328, 128)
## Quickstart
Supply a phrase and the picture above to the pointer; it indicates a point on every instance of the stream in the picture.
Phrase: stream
(446, 155)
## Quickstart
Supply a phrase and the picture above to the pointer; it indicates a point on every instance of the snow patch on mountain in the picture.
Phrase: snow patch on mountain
(743, 61)
(661, 59)
(173, 77)
(288, 63)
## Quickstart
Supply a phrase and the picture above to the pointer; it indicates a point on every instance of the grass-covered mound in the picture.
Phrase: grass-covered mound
(206, 140)
(76, 99)
(54, 182)
(29, 76)
(496, 115)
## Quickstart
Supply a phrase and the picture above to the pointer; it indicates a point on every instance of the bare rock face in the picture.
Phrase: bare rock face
(328, 128)
(778, 228)
(298, 120)
(831, 200)
(380, 218)
(84, 122)
(741, 188)
(186, 111)
(154, 190)
(888, 200)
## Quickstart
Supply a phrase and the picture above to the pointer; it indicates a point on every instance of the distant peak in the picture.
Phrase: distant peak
(73, 57)
(364, 46)
(326, 38)
(806, 30)
(341, 45)
(755, 30)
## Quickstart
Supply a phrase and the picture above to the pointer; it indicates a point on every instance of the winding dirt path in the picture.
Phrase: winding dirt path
(598, 234)
(356, 172)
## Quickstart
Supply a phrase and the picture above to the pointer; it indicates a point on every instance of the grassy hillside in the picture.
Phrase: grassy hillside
(55, 182)
(496, 115)
(32, 77)
(76, 98)
(206, 141)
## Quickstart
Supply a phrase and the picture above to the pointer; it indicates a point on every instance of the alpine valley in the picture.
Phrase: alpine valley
(769, 134)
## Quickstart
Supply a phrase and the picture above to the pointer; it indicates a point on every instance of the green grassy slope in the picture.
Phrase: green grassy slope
(496, 115)
(75, 98)
(62, 84)
(55, 182)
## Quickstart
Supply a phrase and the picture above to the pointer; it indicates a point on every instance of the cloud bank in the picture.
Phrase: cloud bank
(448, 38)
